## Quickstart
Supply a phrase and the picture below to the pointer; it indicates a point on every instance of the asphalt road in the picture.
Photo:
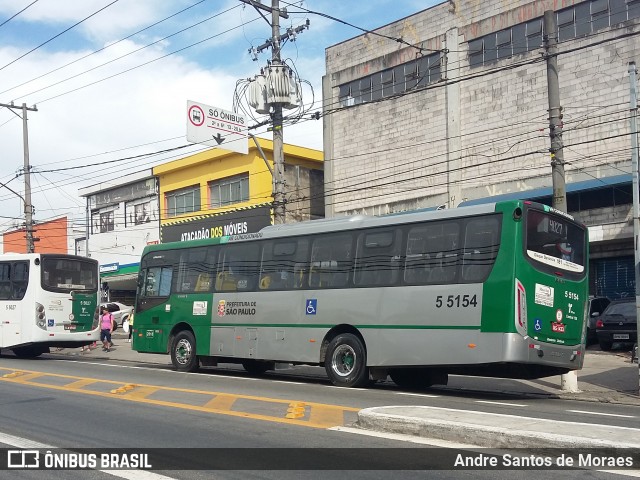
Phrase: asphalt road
(47, 410)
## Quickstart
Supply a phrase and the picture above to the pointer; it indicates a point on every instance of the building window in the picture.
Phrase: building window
(183, 201)
(229, 190)
(393, 81)
(576, 21)
(102, 222)
(138, 213)
(106, 222)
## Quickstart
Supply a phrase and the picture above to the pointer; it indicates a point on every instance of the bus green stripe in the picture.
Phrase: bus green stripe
(388, 327)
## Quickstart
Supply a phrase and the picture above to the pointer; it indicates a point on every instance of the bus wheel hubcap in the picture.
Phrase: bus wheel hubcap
(183, 352)
(343, 360)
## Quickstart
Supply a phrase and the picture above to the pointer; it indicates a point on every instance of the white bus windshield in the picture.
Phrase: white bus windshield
(67, 274)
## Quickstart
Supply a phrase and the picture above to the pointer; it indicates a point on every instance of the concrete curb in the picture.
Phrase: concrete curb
(415, 421)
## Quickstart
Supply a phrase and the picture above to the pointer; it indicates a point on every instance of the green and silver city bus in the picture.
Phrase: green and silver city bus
(47, 300)
(491, 290)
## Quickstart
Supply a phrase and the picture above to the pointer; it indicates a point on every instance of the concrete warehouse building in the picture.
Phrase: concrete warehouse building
(449, 106)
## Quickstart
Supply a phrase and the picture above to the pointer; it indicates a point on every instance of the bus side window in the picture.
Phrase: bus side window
(20, 279)
(480, 248)
(5, 281)
(237, 270)
(279, 260)
(331, 261)
(377, 257)
(299, 275)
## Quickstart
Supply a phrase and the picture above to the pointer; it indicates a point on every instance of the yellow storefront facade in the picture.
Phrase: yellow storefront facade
(218, 192)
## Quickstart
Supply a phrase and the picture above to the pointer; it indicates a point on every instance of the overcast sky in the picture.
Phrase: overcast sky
(116, 85)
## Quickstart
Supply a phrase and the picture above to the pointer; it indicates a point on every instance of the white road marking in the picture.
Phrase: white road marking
(603, 414)
(25, 443)
(502, 403)
(405, 438)
(417, 394)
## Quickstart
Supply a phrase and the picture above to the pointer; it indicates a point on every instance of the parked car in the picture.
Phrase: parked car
(595, 309)
(120, 312)
(617, 324)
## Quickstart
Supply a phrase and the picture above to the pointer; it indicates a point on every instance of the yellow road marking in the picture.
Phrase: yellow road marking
(320, 415)
(327, 414)
(80, 383)
(25, 377)
(295, 410)
(140, 392)
(221, 402)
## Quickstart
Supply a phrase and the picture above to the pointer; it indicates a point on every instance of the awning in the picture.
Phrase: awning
(538, 193)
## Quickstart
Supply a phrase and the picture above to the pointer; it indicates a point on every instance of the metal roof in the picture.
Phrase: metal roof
(538, 193)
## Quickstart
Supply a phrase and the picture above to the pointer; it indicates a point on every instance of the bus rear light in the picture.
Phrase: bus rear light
(521, 309)
(40, 316)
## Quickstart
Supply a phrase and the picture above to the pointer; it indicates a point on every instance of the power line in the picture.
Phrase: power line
(16, 14)
(56, 36)
(103, 48)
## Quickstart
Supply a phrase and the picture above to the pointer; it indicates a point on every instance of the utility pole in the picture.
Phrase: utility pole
(28, 208)
(278, 137)
(559, 199)
(633, 127)
(279, 92)
(569, 381)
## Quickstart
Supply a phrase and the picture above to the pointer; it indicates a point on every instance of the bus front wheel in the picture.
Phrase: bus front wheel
(183, 352)
(346, 361)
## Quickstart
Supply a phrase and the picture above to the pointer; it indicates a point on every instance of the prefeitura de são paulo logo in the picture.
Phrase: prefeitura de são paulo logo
(221, 307)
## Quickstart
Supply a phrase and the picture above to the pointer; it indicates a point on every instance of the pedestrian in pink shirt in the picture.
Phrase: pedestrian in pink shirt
(106, 327)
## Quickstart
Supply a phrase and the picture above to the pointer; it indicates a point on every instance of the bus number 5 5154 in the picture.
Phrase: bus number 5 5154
(457, 301)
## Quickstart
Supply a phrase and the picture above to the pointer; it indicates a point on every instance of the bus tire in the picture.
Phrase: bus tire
(255, 367)
(346, 361)
(183, 352)
(29, 352)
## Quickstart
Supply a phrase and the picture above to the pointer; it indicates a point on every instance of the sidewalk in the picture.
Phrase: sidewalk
(607, 377)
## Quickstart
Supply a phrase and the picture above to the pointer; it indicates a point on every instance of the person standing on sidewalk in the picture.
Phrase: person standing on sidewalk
(106, 327)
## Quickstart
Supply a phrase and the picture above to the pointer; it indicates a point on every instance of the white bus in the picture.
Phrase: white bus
(47, 300)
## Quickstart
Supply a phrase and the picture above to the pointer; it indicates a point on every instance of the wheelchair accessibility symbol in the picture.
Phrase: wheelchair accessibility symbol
(538, 325)
(312, 306)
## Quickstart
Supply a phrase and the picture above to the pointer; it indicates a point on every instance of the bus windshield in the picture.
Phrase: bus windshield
(66, 274)
(556, 241)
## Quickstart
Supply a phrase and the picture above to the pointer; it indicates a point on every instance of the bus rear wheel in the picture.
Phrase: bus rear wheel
(183, 352)
(346, 361)
(30, 352)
